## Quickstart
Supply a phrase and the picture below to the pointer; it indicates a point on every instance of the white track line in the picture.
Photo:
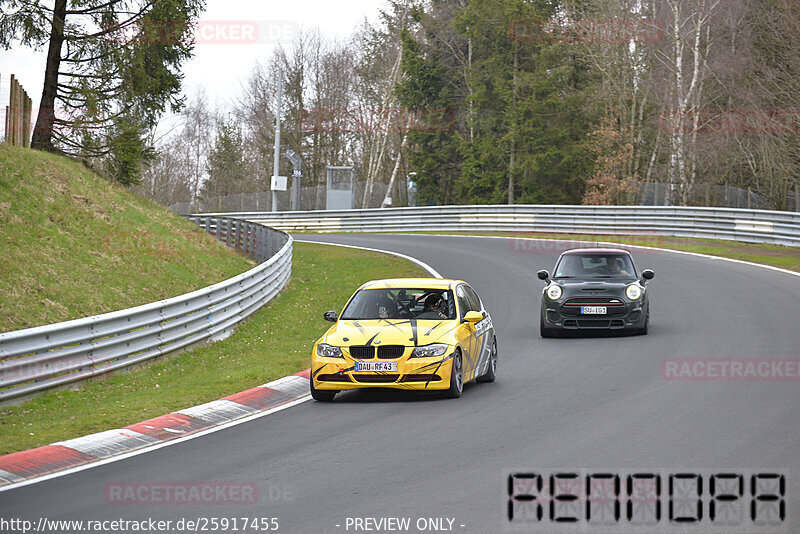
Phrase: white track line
(433, 272)
(156, 446)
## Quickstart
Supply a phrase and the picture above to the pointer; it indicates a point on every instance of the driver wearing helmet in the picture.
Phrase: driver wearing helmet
(614, 266)
(386, 308)
(434, 303)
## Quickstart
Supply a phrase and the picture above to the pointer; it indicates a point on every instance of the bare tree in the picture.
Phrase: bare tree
(689, 40)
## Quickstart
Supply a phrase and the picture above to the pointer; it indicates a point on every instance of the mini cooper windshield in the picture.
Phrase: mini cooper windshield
(595, 266)
(434, 304)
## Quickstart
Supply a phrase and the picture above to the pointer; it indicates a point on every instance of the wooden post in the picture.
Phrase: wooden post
(26, 121)
(18, 116)
(17, 113)
(11, 138)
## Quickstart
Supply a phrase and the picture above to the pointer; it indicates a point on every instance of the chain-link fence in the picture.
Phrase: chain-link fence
(311, 198)
(314, 198)
(723, 196)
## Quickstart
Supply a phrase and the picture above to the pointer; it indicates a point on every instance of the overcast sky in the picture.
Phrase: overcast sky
(219, 65)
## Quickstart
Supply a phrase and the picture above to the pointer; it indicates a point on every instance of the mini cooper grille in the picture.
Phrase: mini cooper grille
(390, 352)
(376, 379)
(594, 324)
(593, 300)
(361, 352)
(614, 306)
(583, 323)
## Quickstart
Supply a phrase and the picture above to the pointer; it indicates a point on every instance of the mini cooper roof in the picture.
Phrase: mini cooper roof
(596, 251)
(412, 283)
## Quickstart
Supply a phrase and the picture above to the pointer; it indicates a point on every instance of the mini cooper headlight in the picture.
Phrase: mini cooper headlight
(554, 292)
(329, 351)
(633, 291)
(427, 351)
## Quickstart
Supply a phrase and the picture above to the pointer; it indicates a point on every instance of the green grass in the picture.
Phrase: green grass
(276, 341)
(775, 255)
(73, 244)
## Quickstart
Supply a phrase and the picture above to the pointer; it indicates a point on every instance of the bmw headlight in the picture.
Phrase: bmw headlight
(427, 351)
(554, 292)
(329, 351)
(633, 291)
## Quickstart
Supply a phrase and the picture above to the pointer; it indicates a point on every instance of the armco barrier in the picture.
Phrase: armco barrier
(38, 358)
(754, 226)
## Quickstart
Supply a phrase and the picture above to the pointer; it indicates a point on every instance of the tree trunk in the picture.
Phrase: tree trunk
(43, 132)
(387, 199)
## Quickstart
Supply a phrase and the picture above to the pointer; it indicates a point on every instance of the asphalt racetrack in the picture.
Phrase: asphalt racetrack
(598, 403)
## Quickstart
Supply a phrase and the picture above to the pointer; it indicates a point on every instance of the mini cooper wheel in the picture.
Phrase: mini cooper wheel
(323, 396)
(456, 378)
(491, 371)
(543, 330)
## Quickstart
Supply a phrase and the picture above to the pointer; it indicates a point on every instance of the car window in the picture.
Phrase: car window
(463, 302)
(472, 298)
(400, 303)
(608, 265)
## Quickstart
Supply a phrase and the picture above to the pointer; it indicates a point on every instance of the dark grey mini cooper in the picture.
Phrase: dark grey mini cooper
(595, 288)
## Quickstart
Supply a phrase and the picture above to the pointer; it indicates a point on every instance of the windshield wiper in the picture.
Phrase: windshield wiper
(604, 276)
(563, 276)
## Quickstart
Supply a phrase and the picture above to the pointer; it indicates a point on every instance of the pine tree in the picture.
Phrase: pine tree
(111, 64)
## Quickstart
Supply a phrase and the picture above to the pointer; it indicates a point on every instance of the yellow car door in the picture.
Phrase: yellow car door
(466, 334)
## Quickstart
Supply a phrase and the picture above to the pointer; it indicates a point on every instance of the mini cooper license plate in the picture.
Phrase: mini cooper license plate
(593, 310)
(389, 367)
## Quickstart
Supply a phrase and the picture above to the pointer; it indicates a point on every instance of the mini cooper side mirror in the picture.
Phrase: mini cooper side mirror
(543, 275)
(648, 274)
(330, 316)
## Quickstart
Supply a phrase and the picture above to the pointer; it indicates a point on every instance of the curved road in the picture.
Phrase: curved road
(595, 402)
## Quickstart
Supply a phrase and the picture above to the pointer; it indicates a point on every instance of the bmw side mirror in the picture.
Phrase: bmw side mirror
(543, 275)
(473, 317)
(330, 316)
(648, 274)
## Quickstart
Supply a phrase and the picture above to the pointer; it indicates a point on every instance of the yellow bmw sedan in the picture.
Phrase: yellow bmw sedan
(426, 334)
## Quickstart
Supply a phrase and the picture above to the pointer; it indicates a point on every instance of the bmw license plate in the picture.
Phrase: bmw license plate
(389, 367)
(593, 310)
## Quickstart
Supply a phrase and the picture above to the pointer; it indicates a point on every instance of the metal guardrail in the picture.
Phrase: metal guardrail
(47, 356)
(754, 226)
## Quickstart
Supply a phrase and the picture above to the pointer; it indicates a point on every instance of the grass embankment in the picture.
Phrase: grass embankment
(73, 244)
(276, 341)
(775, 255)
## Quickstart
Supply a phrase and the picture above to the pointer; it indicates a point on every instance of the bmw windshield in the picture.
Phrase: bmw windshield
(398, 303)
